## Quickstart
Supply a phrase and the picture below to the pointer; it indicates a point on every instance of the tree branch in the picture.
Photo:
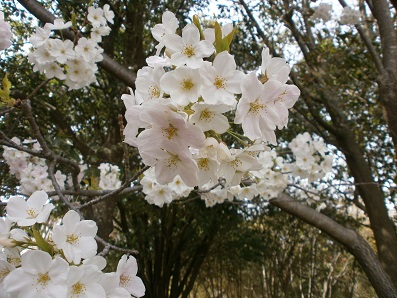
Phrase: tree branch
(116, 69)
(351, 240)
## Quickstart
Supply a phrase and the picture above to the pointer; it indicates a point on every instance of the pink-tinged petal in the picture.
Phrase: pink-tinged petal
(70, 219)
(251, 87)
(94, 290)
(36, 261)
(271, 90)
(169, 82)
(173, 43)
(89, 247)
(208, 73)
(178, 59)
(16, 208)
(252, 128)
(242, 110)
(59, 270)
(74, 275)
(233, 81)
(37, 199)
(56, 290)
(18, 281)
(190, 34)
(204, 49)
(289, 96)
(86, 228)
(208, 94)
(137, 288)
(194, 62)
(45, 213)
(224, 63)
(58, 235)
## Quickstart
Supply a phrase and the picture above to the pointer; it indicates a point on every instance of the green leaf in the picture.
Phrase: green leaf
(218, 38)
(41, 243)
(6, 84)
(196, 22)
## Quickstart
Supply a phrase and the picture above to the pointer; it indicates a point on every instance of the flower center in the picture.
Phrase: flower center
(78, 288)
(169, 132)
(236, 163)
(188, 51)
(255, 107)
(32, 213)
(202, 163)
(219, 83)
(43, 279)
(72, 239)
(125, 280)
(206, 116)
(154, 91)
(3, 274)
(187, 84)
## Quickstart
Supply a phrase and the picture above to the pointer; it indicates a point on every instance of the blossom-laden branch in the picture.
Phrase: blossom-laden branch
(63, 262)
(110, 65)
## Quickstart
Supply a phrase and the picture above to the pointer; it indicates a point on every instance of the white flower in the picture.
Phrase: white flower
(148, 83)
(96, 17)
(87, 48)
(5, 33)
(221, 81)
(127, 269)
(108, 14)
(188, 49)
(82, 282)
(62, 50)
(256, 110)
(159, 195)
(98, 32)
(39, 276)
(169, 160)
(274, 67)
(33, 210)
(182, 84)
(167, 125)
(111, 284)
(59, 24)
(5, 269)
(75, 237)
(169, 26)
(209, 117)
(41, 36)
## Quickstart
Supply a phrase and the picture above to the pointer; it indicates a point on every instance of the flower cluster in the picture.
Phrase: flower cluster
(312, 159)
(5, 33)
(183, 101)
(322, 12)
(109, 176)
(350, 16)
(31, 171)
(74, 62)
(57, 263)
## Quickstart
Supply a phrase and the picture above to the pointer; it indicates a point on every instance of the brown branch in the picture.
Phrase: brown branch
(116, 192)
(351, 240)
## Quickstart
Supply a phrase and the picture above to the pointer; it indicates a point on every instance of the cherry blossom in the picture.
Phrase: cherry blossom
(75, 238)
(39, 276)
(33, 210)
(127, 269)
(5, 33)
(189, 49)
